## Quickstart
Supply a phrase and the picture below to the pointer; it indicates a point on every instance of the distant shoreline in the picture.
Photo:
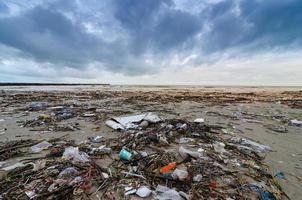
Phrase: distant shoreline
(51, 84)
(150, 86)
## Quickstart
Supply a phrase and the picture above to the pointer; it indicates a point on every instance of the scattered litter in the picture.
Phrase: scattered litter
(14, 166)
(260, 148)
(2, 163)
(268, 196)
(101, 150)
(208, 164)
(219, 147)
(227, 131)
(41, 146)
(197, 178)
(132, 121)
(130, 190)
(2, 131)
(88, 115)
(39, 164)
(185, 153)
(114, 125)
(30, 194)
(144, 124)
(76, 180)
(296, 122)
(185, 140)
(143, 191)
(132, 174)
(199, 120)
(278, 129)
(280, 175)
(105, 175)
(179, 174)
(168, 167)
(196, 160)
(184, 195)
(36, 106)
(68, 172)
(125, 155)
(73, 153)
(97, 139)
(165, 193)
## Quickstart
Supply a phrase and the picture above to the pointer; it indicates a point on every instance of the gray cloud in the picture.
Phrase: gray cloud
(155, 25)
(267, 23)
(48, 36)
(145, 34)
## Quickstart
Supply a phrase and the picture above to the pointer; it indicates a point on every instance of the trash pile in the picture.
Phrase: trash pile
(152, 159)
(53, 117)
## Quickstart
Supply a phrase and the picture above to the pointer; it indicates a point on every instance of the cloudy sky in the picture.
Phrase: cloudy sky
(208, 42)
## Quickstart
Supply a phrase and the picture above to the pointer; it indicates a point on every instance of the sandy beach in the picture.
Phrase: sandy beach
(259, 113)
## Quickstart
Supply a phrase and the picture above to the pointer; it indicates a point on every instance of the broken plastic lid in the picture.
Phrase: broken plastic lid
(127, 122)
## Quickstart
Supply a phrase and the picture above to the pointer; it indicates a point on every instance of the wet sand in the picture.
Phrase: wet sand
(246, 111)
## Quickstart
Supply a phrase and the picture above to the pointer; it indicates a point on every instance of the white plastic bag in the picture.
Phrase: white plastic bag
(41, 146)
(73, 153)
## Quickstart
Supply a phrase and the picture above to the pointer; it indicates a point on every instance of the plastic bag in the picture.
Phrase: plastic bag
(41, 146)
(73, 153)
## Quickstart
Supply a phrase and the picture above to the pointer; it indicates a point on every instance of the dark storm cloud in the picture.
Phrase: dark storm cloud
(55, 32)
(47, 35)
(155, 25)
(270, 23)
(174, 28)
(136, 14)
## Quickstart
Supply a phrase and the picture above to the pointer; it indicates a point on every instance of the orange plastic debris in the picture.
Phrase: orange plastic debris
(168, 167)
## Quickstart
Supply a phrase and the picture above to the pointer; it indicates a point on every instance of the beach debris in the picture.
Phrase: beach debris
(184, 195)
(165, 193)
(268, 196)
(185, 153)
(88, 114)
(179, 174)
(14, 166)
(132, 121)
(185, 140)
(130, 190)
(97, 139)
(280, 175)
(36, 106)
(168, 167)
(144, 124)
(73, 153)
(38, 165)
(259, 148)
(2, 163)
(199, 120)
(125, 155)
(227, 131)
(41, 146)
(101, 150)
(2, 131)
(278, 129)
(31, 194)
(197, 178)
(68, 172)
(296, 122)
(219, 147)
(143, 191)
(206, 165)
